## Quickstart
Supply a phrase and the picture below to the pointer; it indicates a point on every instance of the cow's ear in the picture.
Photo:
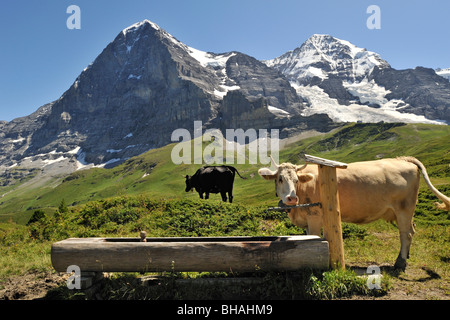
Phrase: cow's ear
(267, 174)
(305, 177)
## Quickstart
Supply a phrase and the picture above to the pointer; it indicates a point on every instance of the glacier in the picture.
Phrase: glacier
(320, 102)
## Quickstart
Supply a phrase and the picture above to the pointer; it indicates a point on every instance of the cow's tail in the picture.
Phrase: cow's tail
(442, 197)
(235, 170)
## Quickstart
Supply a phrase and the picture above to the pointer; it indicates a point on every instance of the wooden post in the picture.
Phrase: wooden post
(329, 197)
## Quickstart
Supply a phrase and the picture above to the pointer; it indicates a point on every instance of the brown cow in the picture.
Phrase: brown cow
(368, 191)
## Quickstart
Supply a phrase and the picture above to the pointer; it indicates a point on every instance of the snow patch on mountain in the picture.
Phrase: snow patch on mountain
(278, 112)
(445, 73)
(207, 59)
(133, 76)
(366, 91)
(225, 89)
(322, 55)
(373, 94)
(215, 62)
(320, 102)
(138, 25)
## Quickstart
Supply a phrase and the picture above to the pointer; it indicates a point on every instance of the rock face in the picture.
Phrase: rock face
(129, 99)
(342, 80)
(322, 56)
(146, 83)
(424, 92)
(262, 92)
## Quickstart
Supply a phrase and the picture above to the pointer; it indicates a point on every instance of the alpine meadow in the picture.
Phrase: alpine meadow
(147, 193)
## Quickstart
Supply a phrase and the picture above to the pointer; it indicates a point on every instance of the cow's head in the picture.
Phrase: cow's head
(286, 177)
(188, 184)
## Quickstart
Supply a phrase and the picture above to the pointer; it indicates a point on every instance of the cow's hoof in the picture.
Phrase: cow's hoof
(400, 264)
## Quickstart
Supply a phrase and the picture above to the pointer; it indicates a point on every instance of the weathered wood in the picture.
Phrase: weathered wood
(237, 254)
(332, 228)
(324, 162)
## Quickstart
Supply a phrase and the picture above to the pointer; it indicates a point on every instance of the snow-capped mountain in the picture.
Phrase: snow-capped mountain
(344, 81)
(146, 83)
(323, 56)
(143, 86)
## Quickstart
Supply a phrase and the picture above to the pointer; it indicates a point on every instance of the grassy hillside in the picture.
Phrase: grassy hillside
(27, 248)
(153, 174)
(147, 193)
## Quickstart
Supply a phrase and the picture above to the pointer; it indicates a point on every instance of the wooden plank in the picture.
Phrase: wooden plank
(237, 255)
(324, 162)
(332, 228)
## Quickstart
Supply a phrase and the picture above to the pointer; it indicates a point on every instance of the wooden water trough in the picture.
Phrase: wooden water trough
(193, 254)
(215, 254)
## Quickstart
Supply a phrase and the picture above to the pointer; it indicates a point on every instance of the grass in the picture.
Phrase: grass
(305, 284)
(26, 248)
(19, 253)
(155, 175)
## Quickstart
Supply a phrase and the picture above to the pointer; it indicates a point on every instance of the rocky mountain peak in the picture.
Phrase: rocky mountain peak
(337, 78)
(139, 89)
(323, 56)
(140, 25)
(146, 83)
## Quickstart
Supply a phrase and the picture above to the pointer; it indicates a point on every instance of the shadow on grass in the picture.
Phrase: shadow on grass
(299, 285)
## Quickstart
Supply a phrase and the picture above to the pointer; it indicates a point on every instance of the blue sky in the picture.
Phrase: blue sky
(40, 57)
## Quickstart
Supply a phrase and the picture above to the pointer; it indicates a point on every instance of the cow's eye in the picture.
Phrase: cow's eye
(280, 180)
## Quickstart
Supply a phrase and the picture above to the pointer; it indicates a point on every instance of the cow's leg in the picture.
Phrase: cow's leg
(201, 195)
(406, 230)
(206, 195)
(224, 196)
(230, 196)
(314, 226)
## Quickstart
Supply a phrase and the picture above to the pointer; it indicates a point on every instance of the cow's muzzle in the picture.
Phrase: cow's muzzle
(291, 200)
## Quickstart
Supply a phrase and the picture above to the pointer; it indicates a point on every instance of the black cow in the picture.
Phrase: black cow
(213, 179)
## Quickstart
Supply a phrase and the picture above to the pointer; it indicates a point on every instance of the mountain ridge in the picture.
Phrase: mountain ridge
(154, 174)
(146, 83)
(138, 90)
(336, 77)
(319, 56)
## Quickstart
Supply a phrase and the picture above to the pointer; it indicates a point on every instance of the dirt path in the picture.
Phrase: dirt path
(30, 286)
(416, 284)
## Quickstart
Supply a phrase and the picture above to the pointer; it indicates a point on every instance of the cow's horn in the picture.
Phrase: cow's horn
(273, 162)
(302, 156)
